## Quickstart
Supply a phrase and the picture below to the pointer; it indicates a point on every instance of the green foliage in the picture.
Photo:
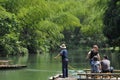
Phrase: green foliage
(91, 21)
(51, 33)
(112, 23)
(41, 25)
(9, 34)
(68, 21)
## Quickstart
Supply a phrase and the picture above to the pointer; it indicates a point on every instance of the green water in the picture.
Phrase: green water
(42, 66)
(39, 67)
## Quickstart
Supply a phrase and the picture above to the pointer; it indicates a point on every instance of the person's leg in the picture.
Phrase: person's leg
(111, 69)
(66, 68)
(92, 66)
(63, 69)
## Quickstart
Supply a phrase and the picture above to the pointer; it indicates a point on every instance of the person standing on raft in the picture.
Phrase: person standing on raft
(64, 55)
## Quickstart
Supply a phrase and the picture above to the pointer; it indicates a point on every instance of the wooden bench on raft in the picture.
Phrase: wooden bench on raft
(5, 62)
(99, 76)
(89, 70)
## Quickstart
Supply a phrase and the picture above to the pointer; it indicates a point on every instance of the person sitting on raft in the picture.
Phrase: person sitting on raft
(95, 65)
(105, 64)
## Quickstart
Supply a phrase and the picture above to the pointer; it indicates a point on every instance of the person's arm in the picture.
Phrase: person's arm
(98, 56)
(61, 52)
(57, 56)
(88, 55)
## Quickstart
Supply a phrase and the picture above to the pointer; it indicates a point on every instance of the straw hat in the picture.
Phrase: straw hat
(63, 46)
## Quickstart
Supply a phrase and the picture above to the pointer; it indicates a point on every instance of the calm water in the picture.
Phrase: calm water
(42, 66)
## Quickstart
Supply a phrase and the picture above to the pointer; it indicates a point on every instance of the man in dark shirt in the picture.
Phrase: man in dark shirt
(91, 54)
(64, 54)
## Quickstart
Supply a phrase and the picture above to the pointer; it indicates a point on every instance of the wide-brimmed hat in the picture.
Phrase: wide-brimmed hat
(63, 46)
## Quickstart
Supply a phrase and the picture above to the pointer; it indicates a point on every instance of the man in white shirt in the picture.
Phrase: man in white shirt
(105, 64)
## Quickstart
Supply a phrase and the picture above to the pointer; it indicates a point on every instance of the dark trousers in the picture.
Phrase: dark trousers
(65, 68)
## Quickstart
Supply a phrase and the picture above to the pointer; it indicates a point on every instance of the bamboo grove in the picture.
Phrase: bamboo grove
(35, 26)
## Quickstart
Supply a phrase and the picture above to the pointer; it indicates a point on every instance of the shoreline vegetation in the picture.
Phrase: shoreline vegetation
(40, 26)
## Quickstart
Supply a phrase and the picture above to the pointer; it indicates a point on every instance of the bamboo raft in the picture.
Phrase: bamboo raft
(4, 67)
(89, 70)
(99, 76)
(58, 77)
(6, 64)
(87, 75)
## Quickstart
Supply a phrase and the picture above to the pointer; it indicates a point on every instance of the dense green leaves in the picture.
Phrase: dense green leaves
(41, 25)
(9, 34)
(112, 22)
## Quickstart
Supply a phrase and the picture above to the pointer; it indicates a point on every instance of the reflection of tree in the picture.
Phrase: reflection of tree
(15, 59)
(118, 58)
(77, 58)
(115, 60)
(51, 57)
(32, 58)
